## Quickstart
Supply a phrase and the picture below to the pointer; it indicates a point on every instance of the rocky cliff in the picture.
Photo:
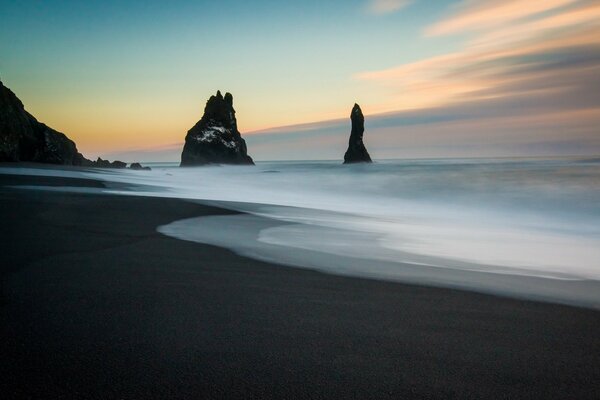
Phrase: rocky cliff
(23, 138)
(215, 139)
(357, 152)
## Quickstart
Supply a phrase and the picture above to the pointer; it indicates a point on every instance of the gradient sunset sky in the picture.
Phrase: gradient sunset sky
(444, 78)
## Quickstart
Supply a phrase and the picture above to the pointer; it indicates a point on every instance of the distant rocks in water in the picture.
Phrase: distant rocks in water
(357, 152)
(138, 166)
(23, 138)
(100, 163)
(215, 139)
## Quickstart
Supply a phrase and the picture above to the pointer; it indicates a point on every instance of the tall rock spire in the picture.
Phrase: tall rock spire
(357, 151)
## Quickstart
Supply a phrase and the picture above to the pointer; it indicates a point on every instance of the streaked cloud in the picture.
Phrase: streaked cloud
(502, 61)
(473, 15)
(386, 6)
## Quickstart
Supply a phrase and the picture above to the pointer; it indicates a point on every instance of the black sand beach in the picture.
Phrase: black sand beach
(95, 304)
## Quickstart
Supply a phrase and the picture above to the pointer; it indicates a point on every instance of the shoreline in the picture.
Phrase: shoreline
(240, 232)
(97, 304)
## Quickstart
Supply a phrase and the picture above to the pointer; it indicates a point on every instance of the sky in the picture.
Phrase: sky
(444, 78)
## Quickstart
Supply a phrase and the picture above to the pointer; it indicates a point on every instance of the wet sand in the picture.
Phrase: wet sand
(95, 304)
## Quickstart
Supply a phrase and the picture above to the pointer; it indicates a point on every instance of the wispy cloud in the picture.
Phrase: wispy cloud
(386, 6)
(474, 15)
(548, 54)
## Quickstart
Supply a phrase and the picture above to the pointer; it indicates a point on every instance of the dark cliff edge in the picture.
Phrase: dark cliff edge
(357, 152)
(24, 138)
(215, 139)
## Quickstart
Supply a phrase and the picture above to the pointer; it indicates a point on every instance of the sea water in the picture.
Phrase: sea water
(449, 222)
(542, 215)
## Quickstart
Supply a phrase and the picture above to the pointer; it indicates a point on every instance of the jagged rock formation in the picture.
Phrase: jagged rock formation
(101, 163)
(215, 139)
(357, 152)
(23, 138)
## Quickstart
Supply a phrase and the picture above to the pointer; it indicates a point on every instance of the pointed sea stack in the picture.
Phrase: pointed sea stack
(357, 152)
(215, 139)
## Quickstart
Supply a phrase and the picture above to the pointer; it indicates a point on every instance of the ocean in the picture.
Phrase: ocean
(520, 227)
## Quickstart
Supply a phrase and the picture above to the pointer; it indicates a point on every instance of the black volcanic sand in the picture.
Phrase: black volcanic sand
(95, 304)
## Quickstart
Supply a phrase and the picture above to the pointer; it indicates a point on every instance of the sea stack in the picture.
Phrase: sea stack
(357, 152)
(23, 138)
(215, 139)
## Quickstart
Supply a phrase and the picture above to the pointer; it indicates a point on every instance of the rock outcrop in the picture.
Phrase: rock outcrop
(23, 138)
(101, 163)
(138, 166)
(215, 139)
(357, 152)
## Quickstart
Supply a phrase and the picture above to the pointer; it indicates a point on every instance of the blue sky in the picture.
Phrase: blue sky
(434, 78)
